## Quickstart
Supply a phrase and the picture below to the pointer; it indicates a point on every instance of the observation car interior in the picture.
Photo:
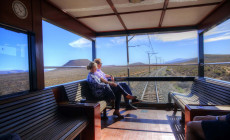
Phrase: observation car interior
(174, 55)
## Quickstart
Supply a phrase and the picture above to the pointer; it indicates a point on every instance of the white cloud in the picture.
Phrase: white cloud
(21, 45)
(218, 38)
(170, 37)
(221, 28)
(118, 40)
(80, 43)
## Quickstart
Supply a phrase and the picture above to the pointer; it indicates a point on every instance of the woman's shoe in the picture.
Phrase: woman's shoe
(130, 97)
(118, 115)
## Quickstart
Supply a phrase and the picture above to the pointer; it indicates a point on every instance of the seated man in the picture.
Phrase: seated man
(104, 76)
(209, 128)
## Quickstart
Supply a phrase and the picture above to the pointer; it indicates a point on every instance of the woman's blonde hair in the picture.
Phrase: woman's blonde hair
(97, 60)
(91, 65)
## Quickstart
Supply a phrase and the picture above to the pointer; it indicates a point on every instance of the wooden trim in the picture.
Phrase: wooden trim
(37, 29)
(55, 15)
(217, 16)
(163, 12)
(211, 11)
(8, 17)
(116, 13)
(146, 30)
(151, 10)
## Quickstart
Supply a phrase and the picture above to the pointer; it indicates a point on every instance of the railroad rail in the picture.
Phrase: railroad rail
(150, 92)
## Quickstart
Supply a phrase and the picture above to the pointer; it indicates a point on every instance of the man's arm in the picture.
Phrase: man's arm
(109, 76)
(107, 82)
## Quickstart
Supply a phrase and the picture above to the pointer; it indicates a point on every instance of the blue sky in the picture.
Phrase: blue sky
(13, 50)
(60, 46)
(168, 46)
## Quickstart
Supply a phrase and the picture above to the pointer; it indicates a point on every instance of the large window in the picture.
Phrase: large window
(169, 54)
(14, 64)
(176, 49)
(62, 50)
(112, 52)
(217, 52)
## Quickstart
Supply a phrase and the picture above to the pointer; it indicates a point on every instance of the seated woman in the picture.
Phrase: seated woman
(209, 128)
(104, 90)
(105, 77)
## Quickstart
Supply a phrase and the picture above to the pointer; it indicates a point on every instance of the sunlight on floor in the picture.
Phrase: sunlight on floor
(143, 124)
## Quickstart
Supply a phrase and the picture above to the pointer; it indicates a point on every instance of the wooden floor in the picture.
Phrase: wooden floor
(143, 124)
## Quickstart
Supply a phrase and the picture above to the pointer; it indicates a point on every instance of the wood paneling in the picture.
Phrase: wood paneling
(8, 17)
(37, 29)
(219, 15)
(59, 18)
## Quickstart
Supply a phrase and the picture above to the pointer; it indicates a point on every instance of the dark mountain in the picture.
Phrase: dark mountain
(209, 58)
(212, 58)
(138, 63)
(12, 71)
(77, 62)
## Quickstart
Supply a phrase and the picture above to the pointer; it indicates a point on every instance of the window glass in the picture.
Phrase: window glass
(177, 48)
(113, 54)
(64, 49)
(14, 64)
(217, 50)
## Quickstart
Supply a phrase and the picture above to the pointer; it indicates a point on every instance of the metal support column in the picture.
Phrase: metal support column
(93, 50)
(127, 48)
(201, 54)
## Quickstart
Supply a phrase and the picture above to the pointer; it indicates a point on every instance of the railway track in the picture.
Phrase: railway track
(150, 92)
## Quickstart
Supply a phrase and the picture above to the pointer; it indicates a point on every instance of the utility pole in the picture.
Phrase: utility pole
(149, 56)
(127, 47)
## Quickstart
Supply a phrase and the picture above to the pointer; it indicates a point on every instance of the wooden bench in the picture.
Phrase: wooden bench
(205, 91)
(77, 91)
(36, 115)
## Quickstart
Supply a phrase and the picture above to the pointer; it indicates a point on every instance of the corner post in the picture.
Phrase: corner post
(200, 54)
(93, 50)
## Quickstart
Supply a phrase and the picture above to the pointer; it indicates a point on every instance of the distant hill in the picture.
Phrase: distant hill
(179, 60)
(77, 62)
(138, 63)
(12, 71)
(209, 58)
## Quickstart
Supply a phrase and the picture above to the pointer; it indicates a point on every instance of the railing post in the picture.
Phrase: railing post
(200, 54)
(93, 50)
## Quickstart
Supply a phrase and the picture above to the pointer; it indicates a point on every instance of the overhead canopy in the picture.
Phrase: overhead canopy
(122, 15)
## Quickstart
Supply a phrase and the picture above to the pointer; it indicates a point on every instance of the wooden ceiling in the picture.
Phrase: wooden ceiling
(121, 15)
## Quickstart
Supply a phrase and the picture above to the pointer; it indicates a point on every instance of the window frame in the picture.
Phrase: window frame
(31, 60)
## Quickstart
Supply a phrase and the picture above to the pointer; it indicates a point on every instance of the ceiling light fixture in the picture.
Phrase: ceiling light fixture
(135, 1)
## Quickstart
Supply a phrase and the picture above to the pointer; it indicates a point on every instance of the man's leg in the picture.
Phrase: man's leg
(126, 88)
(127, 102)
(117, 105)
(194, 131)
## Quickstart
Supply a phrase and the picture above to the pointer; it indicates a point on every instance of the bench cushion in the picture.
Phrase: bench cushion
(78, 90)
(205, 91)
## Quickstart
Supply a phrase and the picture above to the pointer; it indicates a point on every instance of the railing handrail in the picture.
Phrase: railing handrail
(145, 65)
(49, 67)
(218, 63)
